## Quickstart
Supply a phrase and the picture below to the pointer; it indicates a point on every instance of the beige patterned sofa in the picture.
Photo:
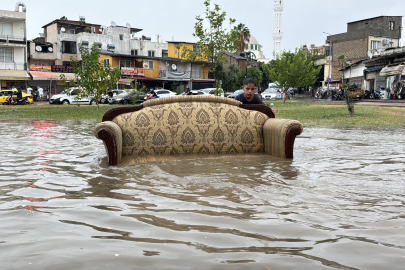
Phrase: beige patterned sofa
(194, 125)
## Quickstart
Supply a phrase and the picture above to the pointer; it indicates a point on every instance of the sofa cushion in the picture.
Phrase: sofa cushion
(191, 128)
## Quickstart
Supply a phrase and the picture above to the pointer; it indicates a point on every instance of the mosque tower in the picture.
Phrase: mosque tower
(277, 34)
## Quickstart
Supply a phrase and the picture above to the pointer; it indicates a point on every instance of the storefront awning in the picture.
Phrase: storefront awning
(47, 76)
(18, 75)
(392, 70)
(125, 81)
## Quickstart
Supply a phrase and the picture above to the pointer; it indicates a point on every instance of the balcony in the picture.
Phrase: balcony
(12, 66)
(67, 37)
(13, 41)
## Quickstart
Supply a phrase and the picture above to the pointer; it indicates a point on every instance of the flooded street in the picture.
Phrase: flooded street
(338, 205)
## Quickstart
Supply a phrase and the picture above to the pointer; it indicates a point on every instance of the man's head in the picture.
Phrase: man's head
(249, 87)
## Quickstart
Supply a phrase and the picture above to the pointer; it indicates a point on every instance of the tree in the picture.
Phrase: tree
(292, 70)
(252, 72)
(244, 34)
(93, 78)
(212, 42)
(63, 18)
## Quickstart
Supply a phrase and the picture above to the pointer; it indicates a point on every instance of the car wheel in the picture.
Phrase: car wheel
(65, 102)
(93, 102)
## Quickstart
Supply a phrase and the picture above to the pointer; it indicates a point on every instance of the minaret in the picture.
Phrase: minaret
(277, 34)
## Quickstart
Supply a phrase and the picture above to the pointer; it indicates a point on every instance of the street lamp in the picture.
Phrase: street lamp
(330, 61)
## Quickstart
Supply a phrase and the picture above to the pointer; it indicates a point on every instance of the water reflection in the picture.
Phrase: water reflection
(337, 205)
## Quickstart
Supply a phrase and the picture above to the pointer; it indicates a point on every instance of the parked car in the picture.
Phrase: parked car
(6, 92)
(194, 93)
(126, 98)
(72, 98)
(164, 93)
(112, 93)
(236, 93)
(269, 93)
(211, 91)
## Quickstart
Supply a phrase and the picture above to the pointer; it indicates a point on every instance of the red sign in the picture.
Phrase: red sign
(40, 68)
(132, 71)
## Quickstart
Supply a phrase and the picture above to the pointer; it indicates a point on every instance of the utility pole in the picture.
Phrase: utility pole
(330, 61)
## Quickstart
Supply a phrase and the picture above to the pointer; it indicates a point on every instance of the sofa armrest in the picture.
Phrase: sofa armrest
(279, 136)
(110, 133)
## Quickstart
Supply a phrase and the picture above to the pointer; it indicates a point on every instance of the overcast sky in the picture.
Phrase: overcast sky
(303, 21)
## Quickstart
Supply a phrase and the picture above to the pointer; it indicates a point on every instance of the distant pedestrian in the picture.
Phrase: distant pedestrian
(40, 92)
(29, 90)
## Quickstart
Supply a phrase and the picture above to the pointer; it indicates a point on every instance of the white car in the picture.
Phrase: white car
(72, 98)
(269, 93)
(211, 91)
(165, 93)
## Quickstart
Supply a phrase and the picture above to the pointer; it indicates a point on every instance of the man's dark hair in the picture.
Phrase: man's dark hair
(249, 81)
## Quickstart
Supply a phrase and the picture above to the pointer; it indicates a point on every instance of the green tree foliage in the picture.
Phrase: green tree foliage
(229, 77)
(251, 72)
(292, 70)
(93, 78)
(212, 42)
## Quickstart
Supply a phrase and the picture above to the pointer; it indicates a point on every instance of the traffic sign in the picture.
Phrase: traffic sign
(328, 80)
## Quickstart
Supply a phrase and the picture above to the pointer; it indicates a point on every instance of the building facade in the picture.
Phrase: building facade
(13, 48)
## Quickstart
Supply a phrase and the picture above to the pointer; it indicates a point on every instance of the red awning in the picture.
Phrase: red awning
(54, 76)
(139, 78)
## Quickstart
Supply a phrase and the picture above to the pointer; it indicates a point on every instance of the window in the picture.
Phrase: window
(72, 31)
(256, 47)
(251, 46)
(134, 52)
(196, 48)
(6, 29)
(151, 53)
(6, 55)
(121, 37)
(85, 44)
(98, 44)
(125, 63)
(375, 44)
(93, 29)
(69, 47)
(148, 64)
(106, 62)
(246, 46)
(392, 25)
(165, 53)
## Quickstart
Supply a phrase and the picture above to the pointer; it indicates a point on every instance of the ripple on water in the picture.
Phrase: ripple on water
(338, 204)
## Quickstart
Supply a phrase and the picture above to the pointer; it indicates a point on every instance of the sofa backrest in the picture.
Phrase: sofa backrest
(183, 126)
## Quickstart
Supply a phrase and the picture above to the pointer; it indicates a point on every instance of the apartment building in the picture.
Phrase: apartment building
(13, 47)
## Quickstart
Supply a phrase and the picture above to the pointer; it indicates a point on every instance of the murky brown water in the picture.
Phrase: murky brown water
(338, 205)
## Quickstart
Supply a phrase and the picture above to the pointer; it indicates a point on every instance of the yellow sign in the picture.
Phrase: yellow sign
(3, 83)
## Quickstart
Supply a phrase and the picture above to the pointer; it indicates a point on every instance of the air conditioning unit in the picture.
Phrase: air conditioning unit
(386, 41)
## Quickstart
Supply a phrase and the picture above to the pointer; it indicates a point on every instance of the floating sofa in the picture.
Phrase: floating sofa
(194, 125)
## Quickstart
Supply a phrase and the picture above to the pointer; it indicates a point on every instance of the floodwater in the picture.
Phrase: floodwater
(338, 205)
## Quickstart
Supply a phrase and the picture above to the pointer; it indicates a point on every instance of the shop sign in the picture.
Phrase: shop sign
(3, 84)
(132, 71)
(40, 68)
(64, 69)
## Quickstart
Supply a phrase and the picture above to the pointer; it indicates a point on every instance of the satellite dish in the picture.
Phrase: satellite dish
(128, 25)
(113, 23)
(38, 48)
(174, 67)
(50, 49)
(63, 29)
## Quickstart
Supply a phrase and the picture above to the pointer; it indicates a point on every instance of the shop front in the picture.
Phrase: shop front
(50, 81)
(14, 78)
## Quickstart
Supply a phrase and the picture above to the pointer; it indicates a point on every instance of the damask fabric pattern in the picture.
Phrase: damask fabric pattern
(191, 128)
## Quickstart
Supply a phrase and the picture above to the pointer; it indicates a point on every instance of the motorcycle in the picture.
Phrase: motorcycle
(337, 95)
(14, 101)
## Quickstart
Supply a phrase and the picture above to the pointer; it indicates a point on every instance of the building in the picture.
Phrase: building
(13, 48)
(255, 49)
(363, 39)
(277, 34)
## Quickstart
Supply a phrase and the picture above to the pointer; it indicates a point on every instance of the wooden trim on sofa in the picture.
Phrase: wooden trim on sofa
(290, 139)
(108, 138)
(113, 112)
(258, 107)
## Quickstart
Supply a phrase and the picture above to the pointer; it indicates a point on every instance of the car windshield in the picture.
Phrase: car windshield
(122, 95)
(270, 91)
